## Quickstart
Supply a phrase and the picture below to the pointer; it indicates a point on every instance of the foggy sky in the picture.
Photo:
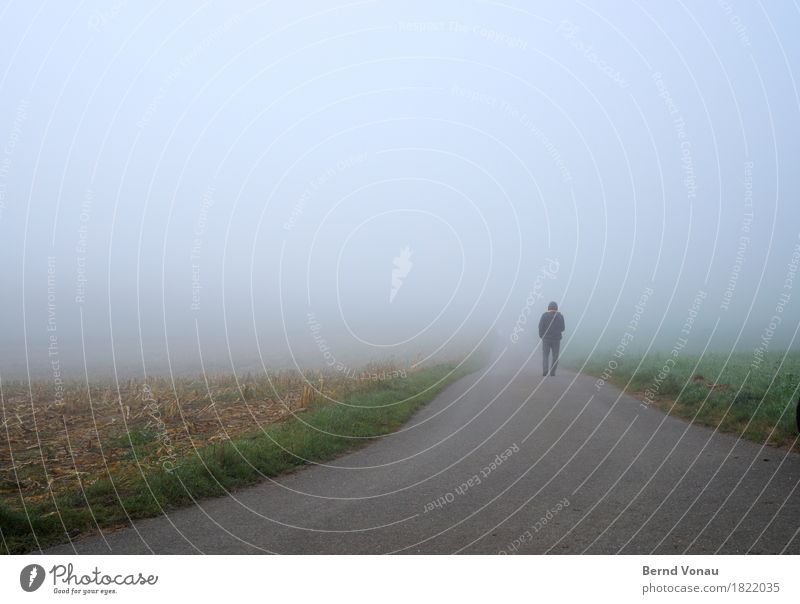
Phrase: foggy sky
(261, 182)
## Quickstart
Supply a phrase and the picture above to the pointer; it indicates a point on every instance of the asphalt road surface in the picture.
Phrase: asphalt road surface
(506, 461)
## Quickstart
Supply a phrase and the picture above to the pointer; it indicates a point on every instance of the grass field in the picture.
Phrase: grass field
(756, 402)
(72, 466)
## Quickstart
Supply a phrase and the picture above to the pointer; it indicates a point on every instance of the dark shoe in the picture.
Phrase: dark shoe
(552, 373)
(544, 374)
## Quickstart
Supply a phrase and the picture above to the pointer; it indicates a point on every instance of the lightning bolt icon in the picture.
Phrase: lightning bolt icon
(34, 572)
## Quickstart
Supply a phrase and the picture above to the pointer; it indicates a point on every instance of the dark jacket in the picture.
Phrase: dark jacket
(551, 325)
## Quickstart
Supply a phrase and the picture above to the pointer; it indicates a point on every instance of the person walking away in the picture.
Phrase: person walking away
(551, 326)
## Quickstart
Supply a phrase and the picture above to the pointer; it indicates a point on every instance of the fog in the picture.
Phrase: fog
(218, 186)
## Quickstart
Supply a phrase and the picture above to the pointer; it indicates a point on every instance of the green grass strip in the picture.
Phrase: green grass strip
(756, 401)
(320, 434)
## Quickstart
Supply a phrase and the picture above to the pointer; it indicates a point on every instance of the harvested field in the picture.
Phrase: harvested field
(53, 446)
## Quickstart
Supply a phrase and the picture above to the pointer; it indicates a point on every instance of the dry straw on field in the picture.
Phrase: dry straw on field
(49, 445)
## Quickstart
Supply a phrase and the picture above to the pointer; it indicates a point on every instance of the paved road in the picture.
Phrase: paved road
(581, 470)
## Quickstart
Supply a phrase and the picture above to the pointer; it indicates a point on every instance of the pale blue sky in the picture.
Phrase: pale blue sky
(298, 147)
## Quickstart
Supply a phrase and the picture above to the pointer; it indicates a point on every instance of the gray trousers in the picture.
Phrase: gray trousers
(548, 347)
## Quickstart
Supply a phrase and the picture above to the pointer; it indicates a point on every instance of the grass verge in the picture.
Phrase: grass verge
(756, 402)
(325, 431)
